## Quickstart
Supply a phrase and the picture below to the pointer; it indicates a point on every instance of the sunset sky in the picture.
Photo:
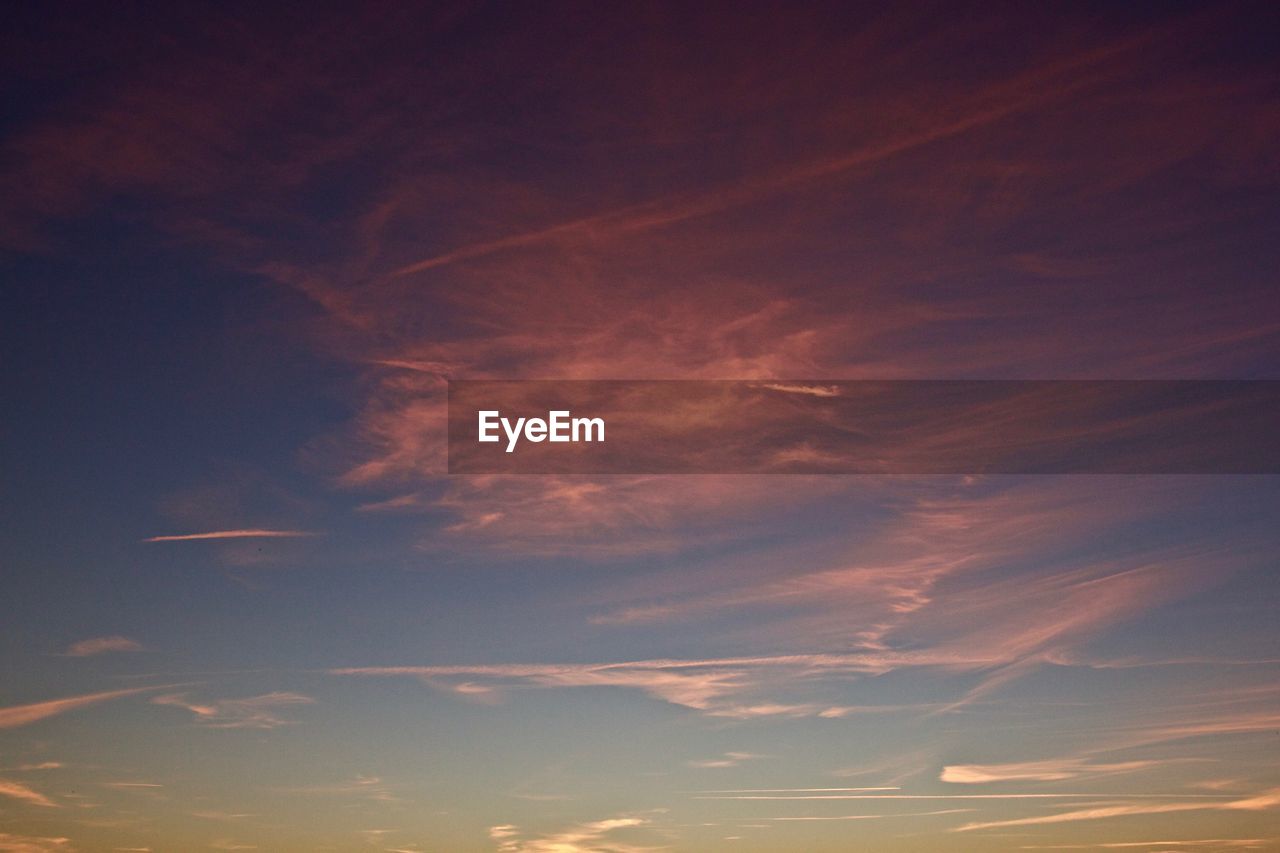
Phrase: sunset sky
(243, 605)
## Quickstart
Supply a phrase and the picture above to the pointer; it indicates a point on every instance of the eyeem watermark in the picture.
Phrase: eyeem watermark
(927, 427)
(558, 426)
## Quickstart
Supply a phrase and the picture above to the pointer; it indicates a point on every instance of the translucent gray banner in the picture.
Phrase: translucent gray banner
(864, 427)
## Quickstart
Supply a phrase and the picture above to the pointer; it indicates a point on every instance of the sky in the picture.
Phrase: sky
(245, 607)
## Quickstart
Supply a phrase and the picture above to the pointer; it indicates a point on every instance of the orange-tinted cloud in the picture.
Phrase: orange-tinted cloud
(1037, 771)
(12, 843)
(246, 533)
(18, 791)
(251, 712)
(22, 715)
(1226, 843)
(1263, 801)
(598, 835)
(102, 645)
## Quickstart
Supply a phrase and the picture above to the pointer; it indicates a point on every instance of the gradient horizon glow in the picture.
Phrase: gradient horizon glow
(245, 607)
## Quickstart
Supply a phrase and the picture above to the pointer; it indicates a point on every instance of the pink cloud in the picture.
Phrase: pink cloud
(1038, 771)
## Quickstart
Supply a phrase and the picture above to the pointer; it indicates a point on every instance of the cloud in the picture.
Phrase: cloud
(361, 787)
(873, 816)
(1263, 801)
(690, 685)
(129, 785)
(1199, 724)
(901, 187)
(1067, 796)
(102, 645)
(1231, 843)
(880, 590)
(940, 584)
(253, 712)
(607, 517)
(936, 554)
(21, 715)
(728, 759)
(810, 390)
(1038, 87)
(1224, 712)
(18, 791)
(1038, 771)
(794, 790)
(998, 628)
(589, 837)
(836, 712)
(246, 533)
(222, 816)
(11, 843)
(705, 685)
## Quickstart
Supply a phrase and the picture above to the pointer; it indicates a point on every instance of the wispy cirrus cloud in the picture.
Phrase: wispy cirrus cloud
(617, 516)
(796, 790)
(12, 843)
(805, 198)
(23, 793)
(733, 687)
(1038, 771)
(936, 575)
(796, 388)
(1263, 801)
(1024, 796)
(870, 816)
(1005, 644)
(1039, 87)
(890, 614)
(22, 715)
(1226, 843)
(1182, 720)
(1196, 723)
(728, 759)
(251, 712)
(713, 686)
(102, 645)
(243, 533)
(598, 836)
(362, 787)
(701, 685)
